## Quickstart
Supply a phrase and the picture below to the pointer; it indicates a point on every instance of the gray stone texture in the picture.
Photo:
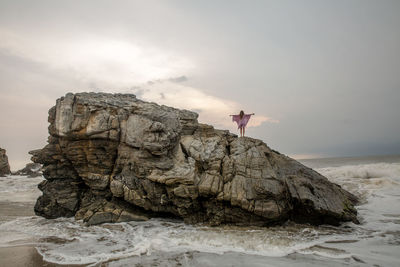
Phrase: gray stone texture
(113, 157)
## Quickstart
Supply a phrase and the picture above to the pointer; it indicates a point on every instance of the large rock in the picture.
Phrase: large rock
(112, 157)
(31, 170)
(4, 165)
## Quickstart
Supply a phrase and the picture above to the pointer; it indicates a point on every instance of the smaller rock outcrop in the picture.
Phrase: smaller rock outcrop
(4, 166)
(31, 170)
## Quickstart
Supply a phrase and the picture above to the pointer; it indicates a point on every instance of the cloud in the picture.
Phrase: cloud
(178, 79)
(102, 61)
(211, 109)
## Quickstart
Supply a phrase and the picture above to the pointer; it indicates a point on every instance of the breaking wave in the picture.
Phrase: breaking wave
(364, 171)
(366, 180)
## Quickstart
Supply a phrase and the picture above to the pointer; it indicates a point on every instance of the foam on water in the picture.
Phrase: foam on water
(366, 180)
(366, 171)
(67, 241)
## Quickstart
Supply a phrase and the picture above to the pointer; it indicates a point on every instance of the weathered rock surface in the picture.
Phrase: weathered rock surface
(4, 165)
(112, 157)
(30, 170)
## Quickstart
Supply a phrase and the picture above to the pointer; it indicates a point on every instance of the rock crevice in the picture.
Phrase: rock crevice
(113, 157)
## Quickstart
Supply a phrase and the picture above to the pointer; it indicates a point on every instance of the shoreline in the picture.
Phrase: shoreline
(25, 255)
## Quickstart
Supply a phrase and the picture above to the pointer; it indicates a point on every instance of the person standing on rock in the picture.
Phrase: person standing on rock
(241, 120)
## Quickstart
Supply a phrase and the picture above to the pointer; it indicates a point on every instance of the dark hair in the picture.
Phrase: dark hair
(241, 114)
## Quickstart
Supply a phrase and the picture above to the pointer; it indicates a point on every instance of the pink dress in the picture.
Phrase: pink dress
(243, 121)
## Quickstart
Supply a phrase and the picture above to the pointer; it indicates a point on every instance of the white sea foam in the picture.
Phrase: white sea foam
(366, 179)
(364, 171)
(69, 242)
(378, 186)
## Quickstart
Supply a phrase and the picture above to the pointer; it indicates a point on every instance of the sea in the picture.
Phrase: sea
(161, 242)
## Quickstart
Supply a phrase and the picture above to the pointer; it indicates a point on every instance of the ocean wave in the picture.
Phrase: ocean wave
(364, 171)
(65, 241)
(366, 179)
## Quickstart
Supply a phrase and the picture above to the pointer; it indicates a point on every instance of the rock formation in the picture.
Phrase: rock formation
(113, 157)
(30, 170)
(4, 166)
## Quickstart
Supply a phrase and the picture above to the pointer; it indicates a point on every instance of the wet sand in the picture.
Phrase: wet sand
(16, 209)
(22, 256)
(25, 256)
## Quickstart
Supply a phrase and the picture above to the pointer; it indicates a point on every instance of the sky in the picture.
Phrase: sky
(322, 77)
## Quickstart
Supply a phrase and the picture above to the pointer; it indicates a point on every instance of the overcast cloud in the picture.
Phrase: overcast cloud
(322, 77)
